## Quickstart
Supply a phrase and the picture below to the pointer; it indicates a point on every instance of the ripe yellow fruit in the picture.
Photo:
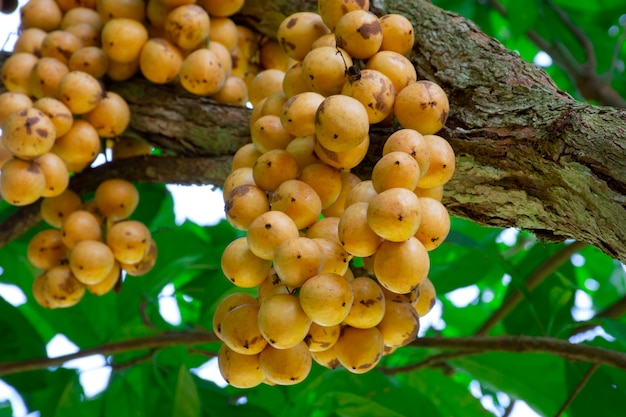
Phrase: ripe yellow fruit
(91, 261)
(303, 151)
(326, 358)
(127, 147)
(268, 133)
(42, 14)
(223, 30)
(336, 258)
(111, 115)
(89, 59)
(222, 8)
(187, 26)
(130, 9)
(11, 102)
(299, 201)
(160, 61)
(293, 82)
(375, 91)
(296, 260)
(244, 204)
(362, 192)
(88, 34)
(264, 84)
(245, 156)
(411, 142)
(273, 168)
(400, 323)
(348, 182)
(359, 350)
(434, 225)
(44, 78)
(442, 163)
(240, 371)
(60, 44)
(368, 307)
(331, 129)
(145, 265)
(427, 297)
(359, 32)
(122, 71)
(29, 41)
(286, 366)
(234, 91)
(46, 249)
(401, 266)
(398, 34)
(61, 288)
(227, 304)
(237, 177)
(397, 67)
(322, 338)
(297, 32)
(80, 225)
(326, 227)
(326, 298)
(355, 233)
(116, 198)
(282, 321)
(395, 170)
(394, 214)
(55, 173)
(107, 283)
(80, 145)
(297, 115)
(80, 92)
(241, 266)
(202, 73)
(325, 180)
(268, 230)
(58, 113)
(240, 330)
(324, 69)
(54, 210)
(422, 106)
(21, 182)
(436, 193)
(38, 290)
(129, 241)
(28, 133)
(123, 39)
(16, 72)
(272, 56)
(331, 11)
(81, 14)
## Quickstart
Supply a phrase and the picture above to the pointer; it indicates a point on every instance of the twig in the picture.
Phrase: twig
(509, 409)
(431, 361)
(581, 384)
(614, 311)
(136, 361)
(529, 344)
(533, 280)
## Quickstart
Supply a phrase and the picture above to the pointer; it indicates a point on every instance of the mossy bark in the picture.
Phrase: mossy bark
(528, 154)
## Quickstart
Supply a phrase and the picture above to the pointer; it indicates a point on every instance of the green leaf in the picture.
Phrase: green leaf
(522, 15)
(602, 388)
(18, 338)
(6, 410)
(186, 399)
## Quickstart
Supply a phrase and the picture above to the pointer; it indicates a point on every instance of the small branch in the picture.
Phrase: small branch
(581, 384)
(430, 362)
(154, 169)
(614, 311)
(533, 280)
(166, 339)
(136, 361)
(509, 409)
(528, 344)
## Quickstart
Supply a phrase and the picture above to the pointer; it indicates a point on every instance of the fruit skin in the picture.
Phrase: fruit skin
(331, 128)
(282, 321)
(401, 266)
(28, 133)
(359, 350)
(326, 298)
(21, 182)
(240, 371)
(422, 106)
(286, 366)
(91, 261)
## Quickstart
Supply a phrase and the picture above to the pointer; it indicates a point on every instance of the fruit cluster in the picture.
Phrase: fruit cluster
(340, 265)
(76, 255)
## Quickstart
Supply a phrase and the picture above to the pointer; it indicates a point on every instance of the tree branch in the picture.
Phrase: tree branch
(581, 384)
(469, 346)
(533, 280)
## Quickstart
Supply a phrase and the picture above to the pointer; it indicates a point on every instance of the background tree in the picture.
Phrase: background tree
(529, 155)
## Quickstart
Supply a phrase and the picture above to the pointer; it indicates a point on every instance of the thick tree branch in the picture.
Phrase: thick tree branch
(528, 155)
(470, 345)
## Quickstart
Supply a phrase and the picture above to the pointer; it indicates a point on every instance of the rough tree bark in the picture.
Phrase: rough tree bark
(528, 154)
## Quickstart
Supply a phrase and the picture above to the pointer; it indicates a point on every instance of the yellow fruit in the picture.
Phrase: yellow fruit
(326, 298)
(272, 56)
(434, 225)
(146, 263)
(396, 67)
(326, 227)
(331, 128)
(359, 350)
(400, 323)
(241, 266)
(223, 30)
(348, 182)
(80, 92)
(375, 91)
(326, 358)
(111, 9)
(61, 288)
(237, 177)
(268, 133)
(58, 113)
(401, 266)
(46, 249)
(129, 241)
(234, 91)
(79, 146)
(325, 180)
(28, 133)
(322, 338)
(299, 201)
(245, 156)
(395, 170)
(16, 72)
(331, 10)
(282, 321)
(240, 330)
(355, 233)
(297, 115)
(296, 260)
(442, 163)
(111, 115)
(240, 371)
(11, 102)
(244, 204)
(60, 44)
(222, 8)
(368, 307)
(227, 304)
(264, 84)
(29, 41)
(303, 151)
(123, 39)
(411, 142)
(298, 31)
(116, 198)
(107, 283)
(54, 210)
(343, 160)
(268, 230)
(336, 258)
(91, 261)
(359, 32)
(362, 192)
(202, 73)
(273, 168)
(42, 14)
(55, 173)
(427, 297)
(21, 182)
(160, 61)
(187, 26)
(45, 77)
(394, 214)
(398, 34)
(422, 106)
(286, 366)
(324, 69)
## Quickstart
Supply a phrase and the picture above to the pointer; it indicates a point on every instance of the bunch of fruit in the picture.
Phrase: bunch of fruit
(89, 244)
(340, 265)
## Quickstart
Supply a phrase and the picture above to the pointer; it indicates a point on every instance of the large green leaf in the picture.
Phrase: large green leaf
(602, 388)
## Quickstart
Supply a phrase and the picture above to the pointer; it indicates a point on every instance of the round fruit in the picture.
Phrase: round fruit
(241, 266)
(29, 41)
(244, 204)
(401, 266)
(375, 91)
(355, 233)
(422, 106)
(282, 321)
(368, 307)
(222, 8)
(111, 115)
(116, 198)
(326, 358)
(331, 10)
(11, 102)
(107, 283)
(286, 366)
(435, 223)
(326, 228)
(299, 201)
(21, 182)
(46, 249)
(398, 35)
(45, 77)
(359, 350)
(442, 162)
(411, 142)
(268, 133)
(234, 91)
(28, 133)
(59, 114)
(336, 258)
(78, 226)
(296, 260)
(80, 92)
(16, 72)
(268, 230)
(298, 113)
(202, 73)
(61, 288)
(395, 170)
(395, 66)
(322, 338)
(123, 39)
(240, 330)
(298, 31)
(240, 371)
(80, 145)
(359, 32)
(326, 298)
(427, 297)
(264, 84)
(42, 14)
(394, 214)
(348, 182)
(245, 156)
(146, 263)
(54, 210)
(160, 61)
(187, 26)
(129, 241)
(226, 305)
(273, 168)
(91, 261)
(60, 44)
(55, 172)
(400, 323)
(325, 180)
(331, 129)
(324, 69)
(362, 192)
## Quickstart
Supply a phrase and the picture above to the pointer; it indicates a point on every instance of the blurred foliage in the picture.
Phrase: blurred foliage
(473, 272)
